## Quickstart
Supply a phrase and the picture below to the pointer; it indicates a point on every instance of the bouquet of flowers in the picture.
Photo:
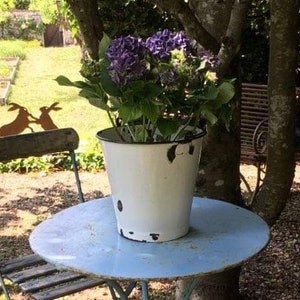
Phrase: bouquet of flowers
(159, 88)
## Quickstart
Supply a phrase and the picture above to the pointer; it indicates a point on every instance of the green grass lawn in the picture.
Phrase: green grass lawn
(35, 87)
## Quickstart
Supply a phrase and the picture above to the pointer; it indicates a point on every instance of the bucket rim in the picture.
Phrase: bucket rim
(192, 137)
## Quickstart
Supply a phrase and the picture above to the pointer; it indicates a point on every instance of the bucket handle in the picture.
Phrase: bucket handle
(190, 136)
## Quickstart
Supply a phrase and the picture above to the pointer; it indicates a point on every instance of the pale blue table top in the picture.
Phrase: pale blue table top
(84, 238)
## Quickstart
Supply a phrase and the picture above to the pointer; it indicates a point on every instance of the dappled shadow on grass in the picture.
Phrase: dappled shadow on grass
(3, 193)
(50, 199)
(14, 246)
(21, 215)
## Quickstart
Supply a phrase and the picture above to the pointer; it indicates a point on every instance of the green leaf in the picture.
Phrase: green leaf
(167, 127)
(211, 92)
(152, 90)
(115, 103)
(150, 110)
(143, 90)
(108, 85)
(105, 41)
(92, 90)
(225, 115)
(64, 81)
(98, 103)
(140, 133)
(226, 92)
(212, 118)
(129, 112)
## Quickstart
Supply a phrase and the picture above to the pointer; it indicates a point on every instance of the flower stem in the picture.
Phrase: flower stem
(131, 133)
(115, 127)
(144, 129)
(184, 126)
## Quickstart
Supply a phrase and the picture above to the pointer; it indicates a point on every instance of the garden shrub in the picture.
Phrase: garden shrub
(50, 163)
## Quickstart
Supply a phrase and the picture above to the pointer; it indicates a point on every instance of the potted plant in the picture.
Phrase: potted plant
(156, 92)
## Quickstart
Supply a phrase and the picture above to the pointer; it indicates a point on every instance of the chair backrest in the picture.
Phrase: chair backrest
(254, 109)
(254, 122)
(41, 143)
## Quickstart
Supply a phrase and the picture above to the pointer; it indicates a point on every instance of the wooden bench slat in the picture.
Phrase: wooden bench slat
(248, 132)
(253, 113)
(248, 126)
(254, 86)
(60, 291)
(248, 108)
(18, 263)
(255, 97)
(38, 143)
(26, 274)
(48, 281)
(254, 105)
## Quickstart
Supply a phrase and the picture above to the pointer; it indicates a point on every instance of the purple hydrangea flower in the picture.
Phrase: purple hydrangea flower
(209, 58)
(167, 77)
(163, 42)
(126, 55)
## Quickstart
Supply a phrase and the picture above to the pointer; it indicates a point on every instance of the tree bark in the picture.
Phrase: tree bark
(193, 27)
(216, 178)
(217, 287)
(275, 191)
(231, 43)
(219, 179)
(90, 24)
(219, 167)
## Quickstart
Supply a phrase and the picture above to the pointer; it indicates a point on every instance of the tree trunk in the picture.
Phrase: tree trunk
(275, 191)
(219, 168)
(219, 178)
(222, 286)
(90, 24)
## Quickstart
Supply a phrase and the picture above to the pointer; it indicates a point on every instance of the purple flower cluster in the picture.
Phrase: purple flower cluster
(209, 58)
(163, 42)
(128, 55)
(127, 59)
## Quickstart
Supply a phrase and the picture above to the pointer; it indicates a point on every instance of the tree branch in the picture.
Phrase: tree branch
(90, 23)
(193, 28)
(232, 41)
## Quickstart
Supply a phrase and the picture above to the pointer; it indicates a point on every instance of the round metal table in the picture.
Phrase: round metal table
(84, 239)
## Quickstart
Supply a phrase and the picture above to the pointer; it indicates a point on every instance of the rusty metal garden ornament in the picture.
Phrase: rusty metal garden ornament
(24, 119)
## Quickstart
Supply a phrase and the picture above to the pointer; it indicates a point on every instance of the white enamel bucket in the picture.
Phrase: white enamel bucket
(152, 185)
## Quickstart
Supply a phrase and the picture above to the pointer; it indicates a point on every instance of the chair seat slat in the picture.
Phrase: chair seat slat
(33, 272)
(19, 263)
(48, 281)
(63, 290)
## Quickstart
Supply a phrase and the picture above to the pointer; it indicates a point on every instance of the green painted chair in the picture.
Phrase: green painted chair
(34, 276)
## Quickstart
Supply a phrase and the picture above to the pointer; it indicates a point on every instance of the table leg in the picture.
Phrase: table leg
(123, 294)
(5, 291)
(193, 283)
(145, 295)
(116, 287)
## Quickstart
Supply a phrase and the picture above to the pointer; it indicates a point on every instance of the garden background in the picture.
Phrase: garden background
(34, 87)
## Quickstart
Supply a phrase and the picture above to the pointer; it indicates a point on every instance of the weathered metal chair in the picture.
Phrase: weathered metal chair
(41, 280)
(254, 130)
